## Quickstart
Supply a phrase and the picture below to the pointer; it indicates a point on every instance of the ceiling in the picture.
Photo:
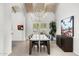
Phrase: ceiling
(39, 7)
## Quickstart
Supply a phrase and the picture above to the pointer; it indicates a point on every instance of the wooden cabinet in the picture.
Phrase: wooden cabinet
(65, 43)
(58, 40)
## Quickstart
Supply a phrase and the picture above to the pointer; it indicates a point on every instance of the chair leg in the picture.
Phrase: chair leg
(34, 47)
(44, 48)
(40, 48)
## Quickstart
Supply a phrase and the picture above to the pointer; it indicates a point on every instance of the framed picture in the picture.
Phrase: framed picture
(67, 26)
(20, 27)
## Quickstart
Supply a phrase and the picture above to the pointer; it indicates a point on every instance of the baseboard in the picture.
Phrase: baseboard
(19, 40)
(5, 53)
(76, 53)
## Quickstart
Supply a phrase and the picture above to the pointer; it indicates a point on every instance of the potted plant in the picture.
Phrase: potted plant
(52, 29)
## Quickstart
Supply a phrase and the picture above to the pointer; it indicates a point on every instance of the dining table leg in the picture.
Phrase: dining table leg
(39, 46)
(48, 47)
(30, 47)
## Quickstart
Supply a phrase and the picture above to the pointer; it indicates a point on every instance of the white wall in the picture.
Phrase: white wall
(34, 17)
(18, 18)
(64, 11)
(5, 29)
(8, 22)
(1, 29)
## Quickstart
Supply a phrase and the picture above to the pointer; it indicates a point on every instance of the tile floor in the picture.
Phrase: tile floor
(22, 49)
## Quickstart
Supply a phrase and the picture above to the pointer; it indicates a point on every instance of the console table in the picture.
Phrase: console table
(65, 43)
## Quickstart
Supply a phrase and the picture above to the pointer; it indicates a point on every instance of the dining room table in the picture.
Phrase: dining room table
(39, 38)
